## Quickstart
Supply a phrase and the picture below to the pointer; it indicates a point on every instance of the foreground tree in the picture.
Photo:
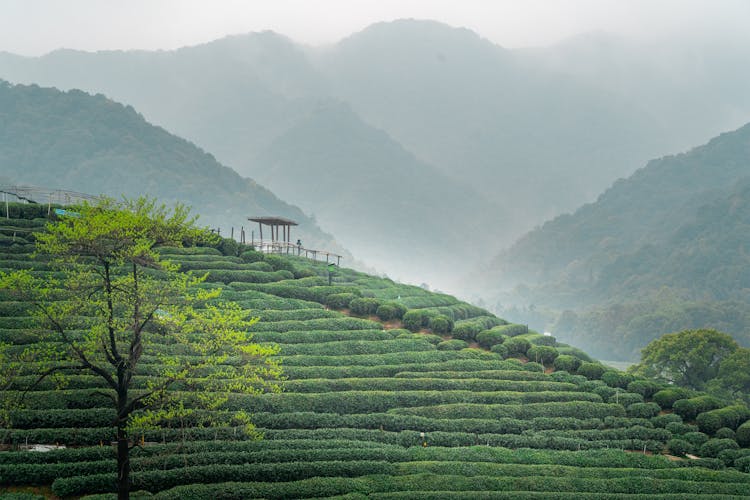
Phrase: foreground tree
(118, 301)
(690, 358)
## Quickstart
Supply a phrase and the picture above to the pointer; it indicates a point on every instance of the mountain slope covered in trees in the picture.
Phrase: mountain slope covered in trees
(663, 250)
(536, 138)
(72, 140)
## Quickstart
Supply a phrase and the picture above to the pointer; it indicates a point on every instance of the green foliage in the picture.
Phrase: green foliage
(440, 324)
(390, 311)
(680, 447)
(643, 410)
(734, 374)
(695, 438)
(729, 416)
(115, 277)
(501, 350)
(616, 378)
(364, 306)
(644, 387)
(667, 397)
(592, 371)
(491, 337)
(542, 354)
(339, 300)
(743, 435)
(688, 409)
(517, 346)
(452, 345)
(713, 447)
(565, 362)
(689, 358)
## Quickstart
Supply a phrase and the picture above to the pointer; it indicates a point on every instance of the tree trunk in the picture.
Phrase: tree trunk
(123, 449)
(123, 463)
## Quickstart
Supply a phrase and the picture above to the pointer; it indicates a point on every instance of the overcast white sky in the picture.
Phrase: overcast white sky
(34, 27)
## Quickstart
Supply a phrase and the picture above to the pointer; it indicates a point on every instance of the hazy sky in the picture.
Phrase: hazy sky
(33, 27)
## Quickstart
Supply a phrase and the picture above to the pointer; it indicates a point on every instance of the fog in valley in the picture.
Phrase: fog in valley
(520, 155)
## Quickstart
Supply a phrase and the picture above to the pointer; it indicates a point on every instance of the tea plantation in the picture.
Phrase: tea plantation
(390, 391)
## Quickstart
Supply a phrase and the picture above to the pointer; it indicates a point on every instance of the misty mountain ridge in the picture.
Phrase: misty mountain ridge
(375, 195)
(73, 140)
(521, 132)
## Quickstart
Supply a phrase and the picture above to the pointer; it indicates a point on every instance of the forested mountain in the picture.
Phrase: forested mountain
(72, 140)
(535, 137)
(662, 250)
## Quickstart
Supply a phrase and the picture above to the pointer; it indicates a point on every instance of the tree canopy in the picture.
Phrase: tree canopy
(689, 358)
(115, 300)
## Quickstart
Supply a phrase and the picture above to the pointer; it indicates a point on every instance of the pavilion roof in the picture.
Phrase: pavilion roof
(273, 220)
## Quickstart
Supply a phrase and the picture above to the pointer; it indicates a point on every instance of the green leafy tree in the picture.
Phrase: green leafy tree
(734, 375)
(690, 358)
(118, 301)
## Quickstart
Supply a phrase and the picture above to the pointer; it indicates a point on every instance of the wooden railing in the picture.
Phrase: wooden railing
(282, 247)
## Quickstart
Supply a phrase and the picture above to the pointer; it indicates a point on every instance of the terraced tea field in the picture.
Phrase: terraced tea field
(371, 409)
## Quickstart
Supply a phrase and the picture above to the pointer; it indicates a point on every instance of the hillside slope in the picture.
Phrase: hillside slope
(370, 409)
(673, 236)
(72, 140)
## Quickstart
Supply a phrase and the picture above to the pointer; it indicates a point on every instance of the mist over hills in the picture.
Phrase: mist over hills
(77, 141)
(524, 134)
(381, 202)
(662, 250)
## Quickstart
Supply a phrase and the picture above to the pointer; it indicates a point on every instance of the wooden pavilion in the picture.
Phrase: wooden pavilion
(276, 223)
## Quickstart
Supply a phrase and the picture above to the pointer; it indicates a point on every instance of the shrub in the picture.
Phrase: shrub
(534, 367)
(591, 370)
(415, 319)
(466, 331)
(729, 416)
(697, 439)
(666, 419)
(229, 247)
(452, 345)
(742, 464)
(667, 397)
(646, 388)
(440, 324)
(489, 338)
(517, 346)
(542, 354)
(713, 447)
(743, 434)
(725, 433)
(688, 409)
(604, 391)
(678, 428)
(566, 362)
(364, 306)
(616, 378)
(390, 311)
(279, 263)
(643, 410)
(500, 349)
(680, 447)
(512, 330)
(625, 398)
(339, 300)
(251, 256)
(547, 340)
